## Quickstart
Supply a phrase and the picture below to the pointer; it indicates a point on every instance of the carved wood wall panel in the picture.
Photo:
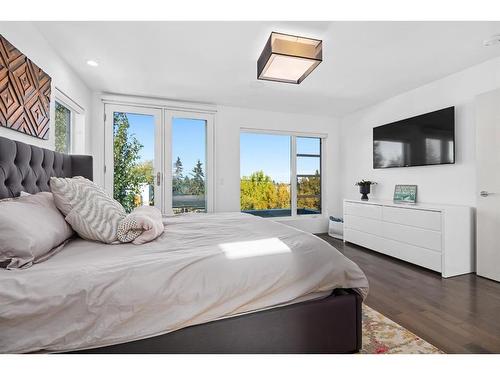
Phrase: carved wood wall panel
(24, 93)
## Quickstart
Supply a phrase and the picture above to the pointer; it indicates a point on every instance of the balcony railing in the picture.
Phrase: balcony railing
(188, 203)
(281, 212)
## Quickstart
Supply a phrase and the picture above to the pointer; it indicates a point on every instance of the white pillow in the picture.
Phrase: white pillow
(90, 211)
(31, 230)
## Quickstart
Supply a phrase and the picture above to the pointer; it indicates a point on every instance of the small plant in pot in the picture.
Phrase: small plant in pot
(364, 188)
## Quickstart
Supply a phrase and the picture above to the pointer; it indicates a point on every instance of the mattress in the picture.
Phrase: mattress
(204, 267)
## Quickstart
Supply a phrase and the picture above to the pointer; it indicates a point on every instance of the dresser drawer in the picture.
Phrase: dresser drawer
(363, 224)
(416, 255)
(428, 239)
(370, 241)
(371, 211)
(412, 217)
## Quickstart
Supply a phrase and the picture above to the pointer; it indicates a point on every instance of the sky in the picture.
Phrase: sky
(271, 154)
(267, 152)
(143, 127)
(188, 138)
(189, 142)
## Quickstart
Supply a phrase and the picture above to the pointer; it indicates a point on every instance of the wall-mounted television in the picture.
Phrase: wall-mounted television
(427, 139)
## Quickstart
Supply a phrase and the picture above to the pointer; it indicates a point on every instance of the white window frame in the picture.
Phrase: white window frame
(169, 109)
(77, 121)
(209, 155)
(293, 168)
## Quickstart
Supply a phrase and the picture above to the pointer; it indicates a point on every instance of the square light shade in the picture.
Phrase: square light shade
(289, 58)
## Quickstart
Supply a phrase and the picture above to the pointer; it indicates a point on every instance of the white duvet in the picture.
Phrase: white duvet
(204, 267)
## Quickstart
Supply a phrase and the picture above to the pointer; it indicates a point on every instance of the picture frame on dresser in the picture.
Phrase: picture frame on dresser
(405, 194)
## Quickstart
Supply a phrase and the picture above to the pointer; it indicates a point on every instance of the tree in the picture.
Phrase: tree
(145, 174)
(178, 178)
(259, 192)
(309, 186)
(283, 195)
(197, 182)
(126, 148)
(61, 121)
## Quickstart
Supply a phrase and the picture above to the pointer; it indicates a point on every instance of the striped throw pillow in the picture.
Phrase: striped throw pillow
(90, 211)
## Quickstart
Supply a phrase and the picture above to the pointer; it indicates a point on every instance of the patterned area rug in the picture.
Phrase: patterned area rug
(383, 336)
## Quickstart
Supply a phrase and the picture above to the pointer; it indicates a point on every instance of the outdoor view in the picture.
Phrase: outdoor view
(188, 173)
(265, 168)
(134, 138)
(133, 159)
(63, 128)
(266, 175)
(308, 175)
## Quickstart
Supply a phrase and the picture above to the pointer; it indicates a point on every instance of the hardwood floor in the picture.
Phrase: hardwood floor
(458, 315)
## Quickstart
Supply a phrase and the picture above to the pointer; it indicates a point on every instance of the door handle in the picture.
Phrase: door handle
(158, 178)
(484, 193)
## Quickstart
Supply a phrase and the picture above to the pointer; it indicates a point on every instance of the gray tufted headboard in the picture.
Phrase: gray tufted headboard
(28, 168)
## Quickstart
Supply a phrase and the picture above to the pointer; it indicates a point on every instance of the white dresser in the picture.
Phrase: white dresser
(438, 237)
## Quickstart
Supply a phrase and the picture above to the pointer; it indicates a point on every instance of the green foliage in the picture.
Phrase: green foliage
(178, 177)
(62, 122)
(259, 192)
(129, 175)
(145, 173)
(188, 185)
(365, 183)
(308, 187)
(197, 182)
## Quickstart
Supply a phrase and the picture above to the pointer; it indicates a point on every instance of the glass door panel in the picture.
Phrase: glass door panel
(189, 161)
(134, 180)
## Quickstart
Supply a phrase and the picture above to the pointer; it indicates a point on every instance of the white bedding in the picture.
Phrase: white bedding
(204, 267)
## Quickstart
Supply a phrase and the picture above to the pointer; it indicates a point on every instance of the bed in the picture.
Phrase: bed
(212, 283)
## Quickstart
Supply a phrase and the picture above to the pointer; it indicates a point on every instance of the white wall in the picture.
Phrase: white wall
(26, 38)
(230, 120)
(451, 184)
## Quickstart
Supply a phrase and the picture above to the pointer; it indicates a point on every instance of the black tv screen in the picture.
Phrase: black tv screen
(421, 140)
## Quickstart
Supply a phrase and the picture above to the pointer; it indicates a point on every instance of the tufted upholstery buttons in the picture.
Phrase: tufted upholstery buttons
(28, 168)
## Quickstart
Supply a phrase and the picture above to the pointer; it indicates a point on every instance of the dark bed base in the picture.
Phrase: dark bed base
(330, 325)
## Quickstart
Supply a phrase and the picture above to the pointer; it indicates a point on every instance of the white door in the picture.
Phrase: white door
(189, 152)
(133, 155)
(488, 184)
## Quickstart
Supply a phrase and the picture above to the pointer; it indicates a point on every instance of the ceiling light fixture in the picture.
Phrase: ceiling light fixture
(494, 40)
(92, 63)
(289, 58)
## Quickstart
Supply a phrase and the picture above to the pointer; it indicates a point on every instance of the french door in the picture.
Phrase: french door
(189, 139)
(159, 157)
(133, 155)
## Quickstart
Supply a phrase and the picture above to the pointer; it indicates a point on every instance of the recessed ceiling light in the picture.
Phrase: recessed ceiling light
(289, 58)
(492, 41)
(92, 63)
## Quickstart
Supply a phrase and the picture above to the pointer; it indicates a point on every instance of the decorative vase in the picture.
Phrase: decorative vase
(364, 190)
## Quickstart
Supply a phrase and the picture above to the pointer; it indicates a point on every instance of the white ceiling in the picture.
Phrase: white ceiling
(215, 62)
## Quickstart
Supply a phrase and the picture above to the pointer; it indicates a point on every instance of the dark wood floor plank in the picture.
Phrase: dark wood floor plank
(458, 315)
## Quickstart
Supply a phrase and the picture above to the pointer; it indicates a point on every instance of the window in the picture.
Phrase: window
(269, 163)
(69, 124)
(63, 128)
(308, 175)
(189, 138)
